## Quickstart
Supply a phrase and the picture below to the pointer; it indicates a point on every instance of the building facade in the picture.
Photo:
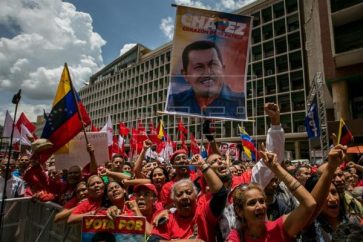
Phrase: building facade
(287, 49)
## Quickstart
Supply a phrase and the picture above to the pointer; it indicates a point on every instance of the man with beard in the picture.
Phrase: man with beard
(192, 220)
(203, 69)
(179, 160)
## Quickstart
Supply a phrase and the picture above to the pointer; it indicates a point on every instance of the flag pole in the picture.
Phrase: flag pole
(15, 101)
(75, 100)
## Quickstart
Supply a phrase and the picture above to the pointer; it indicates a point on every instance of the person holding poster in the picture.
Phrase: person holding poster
(210, 56)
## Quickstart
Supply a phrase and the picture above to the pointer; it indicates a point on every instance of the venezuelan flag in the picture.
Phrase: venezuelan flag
(345, 137)
(63, 122)
(248, 145)
(161, 134)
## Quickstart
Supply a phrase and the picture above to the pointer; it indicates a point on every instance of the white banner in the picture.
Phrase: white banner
(76, 152)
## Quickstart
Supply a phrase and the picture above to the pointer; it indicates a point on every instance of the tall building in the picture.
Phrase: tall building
(291, 40)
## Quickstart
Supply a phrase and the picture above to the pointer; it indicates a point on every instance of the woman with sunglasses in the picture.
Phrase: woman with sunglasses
(250, 208)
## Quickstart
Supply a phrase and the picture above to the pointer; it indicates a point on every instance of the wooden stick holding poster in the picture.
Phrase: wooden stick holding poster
(122, 228)
(208, 64)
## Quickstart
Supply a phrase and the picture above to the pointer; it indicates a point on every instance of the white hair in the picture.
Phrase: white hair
(182, 181)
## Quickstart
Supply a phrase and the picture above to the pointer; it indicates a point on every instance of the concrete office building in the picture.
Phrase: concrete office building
(291, 40)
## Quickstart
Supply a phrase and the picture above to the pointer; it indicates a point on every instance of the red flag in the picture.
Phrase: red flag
(184, 145)
(182, 128)
(25, 121)
(194, 145)
(142, 136)
(124, 131)
(153, 135)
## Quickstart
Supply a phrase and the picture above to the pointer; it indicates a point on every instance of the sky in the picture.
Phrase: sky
(38, 36)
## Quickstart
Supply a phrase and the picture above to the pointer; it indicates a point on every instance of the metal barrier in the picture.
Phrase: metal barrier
(27, 220)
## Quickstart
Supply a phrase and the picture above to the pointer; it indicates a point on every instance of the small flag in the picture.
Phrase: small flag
(247, 143)
(345, 137)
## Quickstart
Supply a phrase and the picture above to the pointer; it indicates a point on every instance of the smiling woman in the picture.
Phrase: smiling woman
(250, 208)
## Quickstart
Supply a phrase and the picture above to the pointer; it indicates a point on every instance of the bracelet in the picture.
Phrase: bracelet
(205, 168)
(294, 186)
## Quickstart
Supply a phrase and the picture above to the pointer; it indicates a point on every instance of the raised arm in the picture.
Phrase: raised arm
(321, 189)
(208, 132)
(214, 182)
(293, 221)
(275, 142)
(138, 163)
(93, 162)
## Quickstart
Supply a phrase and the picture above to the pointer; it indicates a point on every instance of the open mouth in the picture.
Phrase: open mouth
(333, 206)
(260, 215)
(207, 82)
(141, 204)
(222, 169)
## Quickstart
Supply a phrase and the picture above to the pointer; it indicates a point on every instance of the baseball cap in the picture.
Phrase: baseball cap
(147, 186)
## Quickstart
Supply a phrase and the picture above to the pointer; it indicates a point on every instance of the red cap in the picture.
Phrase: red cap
(178, 152)
(147, 186)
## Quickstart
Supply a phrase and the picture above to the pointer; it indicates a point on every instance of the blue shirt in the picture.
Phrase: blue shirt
(228, 104)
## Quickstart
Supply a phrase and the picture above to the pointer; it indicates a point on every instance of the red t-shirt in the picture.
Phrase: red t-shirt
(275, 231)
(86, 206)
(202, 224)
(165, 194)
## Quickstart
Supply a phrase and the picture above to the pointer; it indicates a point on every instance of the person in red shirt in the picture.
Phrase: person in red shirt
(179, 159)
(192, 220)
(158, 177)
(144, 204)
(250, 208)
(81, 194)
(93, 203)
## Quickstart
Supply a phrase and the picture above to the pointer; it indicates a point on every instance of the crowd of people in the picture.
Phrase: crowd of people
(218, 198)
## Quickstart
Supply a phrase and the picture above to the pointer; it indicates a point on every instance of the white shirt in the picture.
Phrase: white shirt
(14, 187)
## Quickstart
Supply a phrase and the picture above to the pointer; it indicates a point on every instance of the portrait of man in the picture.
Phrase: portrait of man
(208, 95)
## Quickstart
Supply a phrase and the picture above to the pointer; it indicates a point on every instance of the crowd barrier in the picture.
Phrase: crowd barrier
(27, 220)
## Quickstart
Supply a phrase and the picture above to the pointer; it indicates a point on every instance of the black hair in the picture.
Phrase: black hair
(165, 172)
(117, 156)
(199, 45)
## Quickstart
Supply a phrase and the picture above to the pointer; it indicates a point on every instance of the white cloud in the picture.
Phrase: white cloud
(126, 48)
(30, 110)
(48, 33)
(167, 27)
(233, 4)
(167, 24)
(192, 3)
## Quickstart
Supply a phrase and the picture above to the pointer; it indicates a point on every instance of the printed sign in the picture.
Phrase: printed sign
(208, 64)
(122, 228)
